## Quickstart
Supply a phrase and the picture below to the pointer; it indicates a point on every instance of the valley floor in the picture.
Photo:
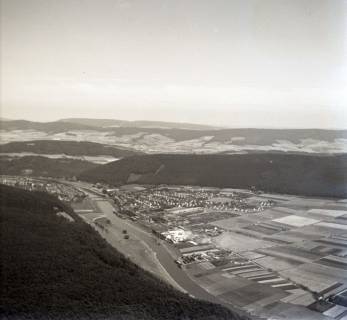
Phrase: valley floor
(274, 256)
(278, 261)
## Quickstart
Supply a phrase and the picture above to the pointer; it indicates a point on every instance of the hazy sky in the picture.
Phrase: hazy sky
(244, 63)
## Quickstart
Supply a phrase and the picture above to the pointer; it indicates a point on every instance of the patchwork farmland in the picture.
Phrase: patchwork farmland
(268, 254)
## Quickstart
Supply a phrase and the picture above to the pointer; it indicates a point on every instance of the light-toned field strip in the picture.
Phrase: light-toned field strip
(296, 221)
(265, 301)
(196, 248)
(279, 279)
(100, 216)
(332, 225)
(252, 255)
(340, 236)
(207, 265)
(287, 210)
(304, 300)
(265, 276)
(334, 242)
(328, 213)
(256, 274)
(240, 272)
(275, 196)
(296, 293)
(335, 311)
(282, 285)
(337, 291)
(336, 258)
(238, 267)
(285, 256)
(83, 210)
(245, 273)
(164, 274)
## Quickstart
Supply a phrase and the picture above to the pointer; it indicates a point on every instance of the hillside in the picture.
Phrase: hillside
(56, 269)
(42, 166)
(153, 137)
(73, 148)
(48, 127)
(280, 173)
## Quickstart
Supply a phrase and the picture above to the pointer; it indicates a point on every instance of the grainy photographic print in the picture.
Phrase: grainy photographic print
(173, 160)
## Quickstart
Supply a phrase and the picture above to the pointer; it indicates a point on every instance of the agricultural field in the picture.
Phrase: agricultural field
(93, 159)
(165, 141)
(268, 254)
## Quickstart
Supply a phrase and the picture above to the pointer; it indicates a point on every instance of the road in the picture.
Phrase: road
(162, 252)
(163, 255)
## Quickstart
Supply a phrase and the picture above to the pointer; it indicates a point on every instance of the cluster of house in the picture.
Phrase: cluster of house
(64, 192)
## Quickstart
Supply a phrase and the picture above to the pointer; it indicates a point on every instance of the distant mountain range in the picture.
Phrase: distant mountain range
(105, 123)
(177, 139)
(308, 175)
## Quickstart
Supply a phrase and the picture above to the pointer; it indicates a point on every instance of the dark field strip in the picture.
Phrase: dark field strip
(333, 264)
(252, 293)
(275, 226)
(326, 250)
(260, 273)
(248, 270)
(332, 287)
(288, 287)
(342, 315)
(261, 229)
(297, 252)
(264, 277)
(276, 240)
(337, 243)
(222, 263)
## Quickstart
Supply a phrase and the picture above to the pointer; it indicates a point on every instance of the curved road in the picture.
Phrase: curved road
(164, 257)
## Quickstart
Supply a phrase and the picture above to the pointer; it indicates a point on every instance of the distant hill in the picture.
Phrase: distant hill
(309, 175)
(171, 138)
(42, 166)
(48, 127)
(55, 269)
(250, 136)
(138, 124)
(73, 148)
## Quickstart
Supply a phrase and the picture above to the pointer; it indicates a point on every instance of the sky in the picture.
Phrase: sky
(235, 63)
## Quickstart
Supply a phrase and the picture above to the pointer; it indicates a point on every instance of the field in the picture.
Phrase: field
(52, 268)
(132, 248)
(275, 257)
(157, 140)
(267, 254)
(290, 250)
(94, 159)
(296, 221)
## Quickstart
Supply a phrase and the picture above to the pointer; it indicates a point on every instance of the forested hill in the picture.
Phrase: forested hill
(73, 148)
(43, 167)
(55, 269)
(52, 127)
(309, 175)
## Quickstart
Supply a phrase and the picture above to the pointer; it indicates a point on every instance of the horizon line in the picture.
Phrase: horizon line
(216, 127)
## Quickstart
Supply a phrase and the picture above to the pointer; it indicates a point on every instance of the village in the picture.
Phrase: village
(181, 215)
(289, 251)
(64, 192)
